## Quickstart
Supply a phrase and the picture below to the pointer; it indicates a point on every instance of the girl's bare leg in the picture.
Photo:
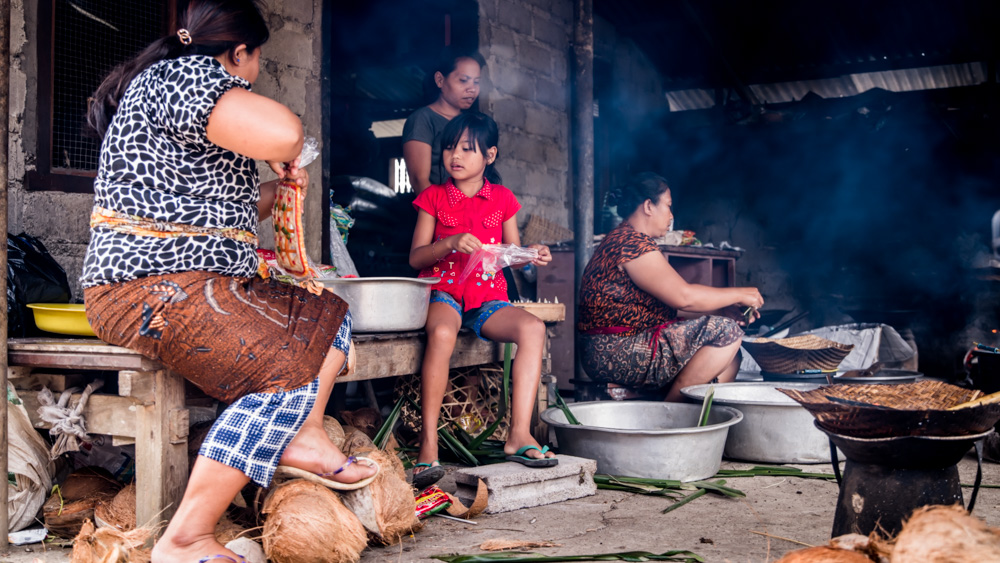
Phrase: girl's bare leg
(707, 363)
(443, 324)
(511, 324)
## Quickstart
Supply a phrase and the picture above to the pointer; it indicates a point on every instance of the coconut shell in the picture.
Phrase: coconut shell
(365, 419)
(334, 430)
(66, 510)
(119, 512)
(395, 506)
(108, 545)
(940, 534)
(357, 442)
(824, 554)
(227, 530)
(307, 523)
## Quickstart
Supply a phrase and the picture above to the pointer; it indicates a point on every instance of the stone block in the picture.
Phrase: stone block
(535, 56)
(501, 43)
(554, 33)
(298, 10)
(516, 16)
(509, 112)
(513, 486)
(487, 11)
(542, 121)
(290, 47)
(509, 79)
(553, 94)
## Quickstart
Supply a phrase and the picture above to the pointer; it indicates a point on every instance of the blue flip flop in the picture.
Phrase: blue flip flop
(220, 556)
(519, 457)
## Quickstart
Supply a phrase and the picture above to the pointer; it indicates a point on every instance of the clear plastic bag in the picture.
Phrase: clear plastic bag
(491, 258)
(310, 150)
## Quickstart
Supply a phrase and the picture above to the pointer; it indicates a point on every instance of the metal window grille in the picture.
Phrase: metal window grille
(399, 175)
(91, 38)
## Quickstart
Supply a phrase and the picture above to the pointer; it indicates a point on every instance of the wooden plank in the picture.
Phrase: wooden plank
(548, 312)
(161, 450)
(105, 414)
(76, 360)
(139, 385)
(402, 355)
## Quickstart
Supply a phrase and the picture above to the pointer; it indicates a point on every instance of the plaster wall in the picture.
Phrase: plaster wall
(290, 73)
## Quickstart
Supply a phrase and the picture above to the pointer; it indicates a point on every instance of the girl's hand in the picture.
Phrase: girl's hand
(465, 243)
(544, 255)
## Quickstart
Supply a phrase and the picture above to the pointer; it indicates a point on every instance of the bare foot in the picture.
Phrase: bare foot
(172, 550)
(311, 450)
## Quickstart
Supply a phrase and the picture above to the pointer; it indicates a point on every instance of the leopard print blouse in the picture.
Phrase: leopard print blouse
(608, 297)
(157, 162)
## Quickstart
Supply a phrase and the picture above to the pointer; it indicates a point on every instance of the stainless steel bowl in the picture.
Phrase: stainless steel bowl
(654, 440)
(385, 304)
(775, 429)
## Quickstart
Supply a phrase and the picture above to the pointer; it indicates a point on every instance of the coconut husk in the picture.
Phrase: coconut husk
(939, 534)
(824, 554)
(87, 481)
(227, 530)
(365, 419)
(395, 506)
(334, 431)
(395, 464)
(74, 501)
(108, 545)
(356, 442)
(307, 523)
(119, 512)
(506, 545)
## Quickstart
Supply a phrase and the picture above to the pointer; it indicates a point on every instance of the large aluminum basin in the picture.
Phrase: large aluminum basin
(654, 440)
(775, 428)
(385, 304)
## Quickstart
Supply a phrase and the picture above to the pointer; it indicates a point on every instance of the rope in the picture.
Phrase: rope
(69, 427)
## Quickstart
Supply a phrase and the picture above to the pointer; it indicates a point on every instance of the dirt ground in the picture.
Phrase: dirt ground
(719, 529)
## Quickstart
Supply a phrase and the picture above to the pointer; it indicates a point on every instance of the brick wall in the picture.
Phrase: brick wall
(526, 44)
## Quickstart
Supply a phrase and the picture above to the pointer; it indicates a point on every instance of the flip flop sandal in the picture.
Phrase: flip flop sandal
(220, 556)
(429, 475)
(288, 472)
(519, 457)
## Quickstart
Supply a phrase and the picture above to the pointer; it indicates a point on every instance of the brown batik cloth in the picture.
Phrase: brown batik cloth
(229, 336)
(643, 362)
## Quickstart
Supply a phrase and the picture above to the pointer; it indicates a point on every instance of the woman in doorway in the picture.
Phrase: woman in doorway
(629, 298)
(456, 78)
(171, 267)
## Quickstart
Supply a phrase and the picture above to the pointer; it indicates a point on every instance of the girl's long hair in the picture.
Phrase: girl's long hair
(483, 134)
(215, 26)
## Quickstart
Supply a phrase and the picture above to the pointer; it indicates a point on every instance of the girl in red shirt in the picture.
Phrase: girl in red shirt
(454, 220)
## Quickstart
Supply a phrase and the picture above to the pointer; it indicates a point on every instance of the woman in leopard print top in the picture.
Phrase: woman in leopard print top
(629, 297)
(171, 266)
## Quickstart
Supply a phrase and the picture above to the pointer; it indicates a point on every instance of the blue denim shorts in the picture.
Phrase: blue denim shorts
(472, 319)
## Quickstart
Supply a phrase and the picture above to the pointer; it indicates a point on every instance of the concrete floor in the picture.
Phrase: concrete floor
(719, 529)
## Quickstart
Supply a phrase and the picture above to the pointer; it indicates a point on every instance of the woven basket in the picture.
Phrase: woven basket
(906, 409)
(542, 231)
(789, 355)
(472, 400)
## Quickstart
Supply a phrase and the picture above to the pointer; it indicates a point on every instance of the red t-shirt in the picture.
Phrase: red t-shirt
(482, 215)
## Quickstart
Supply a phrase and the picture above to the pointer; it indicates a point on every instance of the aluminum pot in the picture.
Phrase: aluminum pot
(775, 428)
(385, 304)
(650, 439)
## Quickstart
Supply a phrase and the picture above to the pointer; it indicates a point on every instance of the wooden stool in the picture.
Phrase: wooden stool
(149, 411)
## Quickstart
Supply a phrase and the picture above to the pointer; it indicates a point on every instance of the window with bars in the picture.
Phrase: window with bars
(79, 42)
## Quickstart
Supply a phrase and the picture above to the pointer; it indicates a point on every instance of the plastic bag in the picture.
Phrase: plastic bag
(491, 258)
(33, 276)
(28, 463)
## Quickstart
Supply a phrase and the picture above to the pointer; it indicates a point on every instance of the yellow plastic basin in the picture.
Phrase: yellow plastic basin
(62, 318)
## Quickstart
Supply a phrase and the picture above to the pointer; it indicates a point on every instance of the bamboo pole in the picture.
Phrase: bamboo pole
(4, 124)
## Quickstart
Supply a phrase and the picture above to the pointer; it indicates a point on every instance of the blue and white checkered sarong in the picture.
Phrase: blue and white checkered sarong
(252, 433)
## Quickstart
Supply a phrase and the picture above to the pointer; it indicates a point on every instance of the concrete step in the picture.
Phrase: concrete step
(513, 486)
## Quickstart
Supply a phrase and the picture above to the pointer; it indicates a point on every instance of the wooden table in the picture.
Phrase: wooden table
(149, 409)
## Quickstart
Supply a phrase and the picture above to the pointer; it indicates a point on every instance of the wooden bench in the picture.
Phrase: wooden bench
(149, 408)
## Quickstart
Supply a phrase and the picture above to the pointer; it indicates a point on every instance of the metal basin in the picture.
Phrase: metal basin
(385, 304)
(775, 429)
(654, 440)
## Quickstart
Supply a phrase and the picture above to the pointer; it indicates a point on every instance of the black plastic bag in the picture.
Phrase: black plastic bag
(33, 276)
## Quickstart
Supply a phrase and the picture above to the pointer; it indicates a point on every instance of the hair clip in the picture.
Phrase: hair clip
(185, 36)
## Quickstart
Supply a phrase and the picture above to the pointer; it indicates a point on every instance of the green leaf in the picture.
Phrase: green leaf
(685, 500)
(570, 418)
(383, 433)
(706, 406)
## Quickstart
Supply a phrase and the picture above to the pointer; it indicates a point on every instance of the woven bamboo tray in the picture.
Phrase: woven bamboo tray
(907, 409)
(789, 355)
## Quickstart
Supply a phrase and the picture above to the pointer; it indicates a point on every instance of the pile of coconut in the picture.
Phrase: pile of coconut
(295, 520)
(932, 534)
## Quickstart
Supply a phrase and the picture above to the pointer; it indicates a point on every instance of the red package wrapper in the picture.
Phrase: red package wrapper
(431, 501)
